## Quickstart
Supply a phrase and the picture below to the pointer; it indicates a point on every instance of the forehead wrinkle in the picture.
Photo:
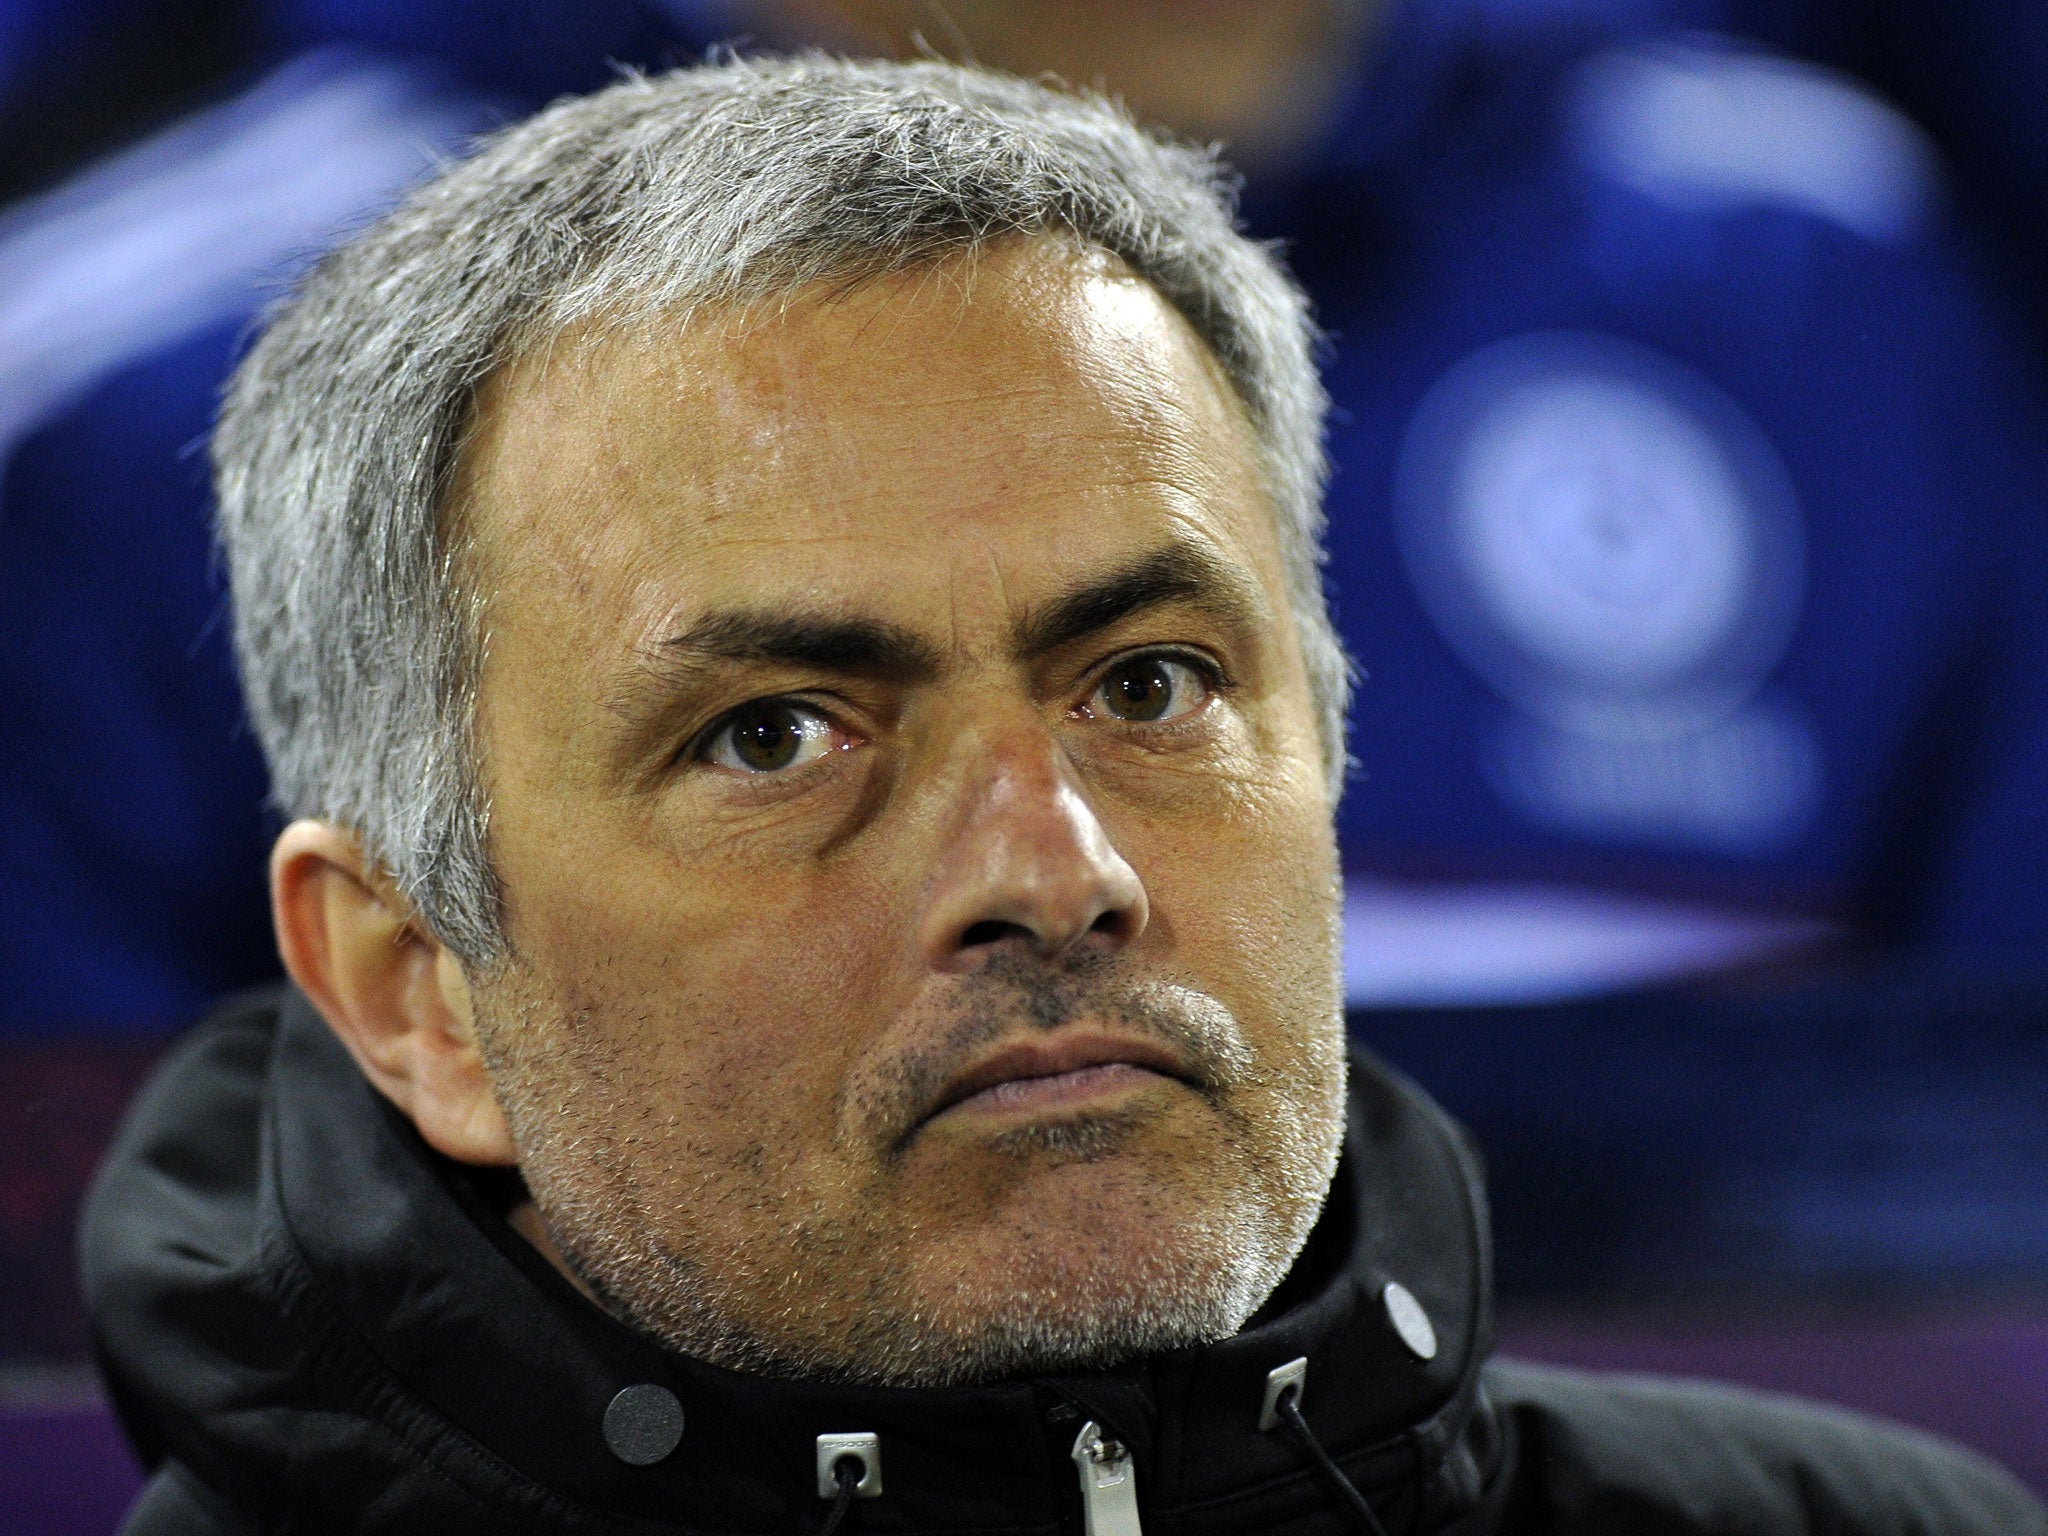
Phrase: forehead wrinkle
(1162, 429)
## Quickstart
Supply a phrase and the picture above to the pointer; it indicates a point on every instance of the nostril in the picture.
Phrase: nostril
(992, 932)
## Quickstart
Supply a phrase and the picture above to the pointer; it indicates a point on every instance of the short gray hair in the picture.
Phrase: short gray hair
(727, 183)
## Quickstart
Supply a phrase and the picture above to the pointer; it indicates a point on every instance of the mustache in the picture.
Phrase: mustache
(887, 1101)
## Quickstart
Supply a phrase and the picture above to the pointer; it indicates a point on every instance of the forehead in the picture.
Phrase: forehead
(1022, 411)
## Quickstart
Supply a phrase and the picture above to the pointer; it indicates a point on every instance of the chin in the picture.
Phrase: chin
(1083, 1315)
(1104, 1265)
(1089, 1261)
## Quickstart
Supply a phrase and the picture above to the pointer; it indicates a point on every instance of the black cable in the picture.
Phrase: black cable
(1289, 1414)
(847, 1472)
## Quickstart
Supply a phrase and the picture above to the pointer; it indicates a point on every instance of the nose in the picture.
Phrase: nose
(1027, 863)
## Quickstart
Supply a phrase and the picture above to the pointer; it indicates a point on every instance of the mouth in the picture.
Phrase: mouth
(1062, 1071)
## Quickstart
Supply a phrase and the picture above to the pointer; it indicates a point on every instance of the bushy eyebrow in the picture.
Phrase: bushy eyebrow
(674, 665)
(865, 647)
(1181, 572)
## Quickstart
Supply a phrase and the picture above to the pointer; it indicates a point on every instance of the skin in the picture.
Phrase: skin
(995, 1025)
(1260, 75)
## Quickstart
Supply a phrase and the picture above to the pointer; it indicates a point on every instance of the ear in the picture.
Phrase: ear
(387, 987)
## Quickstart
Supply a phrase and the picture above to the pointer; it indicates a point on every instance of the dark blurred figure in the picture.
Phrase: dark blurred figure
(134, 830)
(79, 77)
(1975, 74)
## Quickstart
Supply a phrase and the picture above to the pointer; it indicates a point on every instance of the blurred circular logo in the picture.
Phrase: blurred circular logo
(1600, 533)
(1612, 544)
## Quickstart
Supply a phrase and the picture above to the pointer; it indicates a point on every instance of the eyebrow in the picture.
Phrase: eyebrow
(1176, 573)
(864, 647)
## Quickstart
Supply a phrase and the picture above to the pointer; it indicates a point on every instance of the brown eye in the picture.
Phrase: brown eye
(769, 736)
(1147, 689)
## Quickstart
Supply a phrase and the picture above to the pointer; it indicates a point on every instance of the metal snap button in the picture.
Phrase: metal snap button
(643, 1424)
(1409, 1320)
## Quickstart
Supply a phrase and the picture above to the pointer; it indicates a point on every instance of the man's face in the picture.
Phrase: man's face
(906, 793)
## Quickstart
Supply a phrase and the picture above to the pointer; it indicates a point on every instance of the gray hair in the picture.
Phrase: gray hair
(724, 184)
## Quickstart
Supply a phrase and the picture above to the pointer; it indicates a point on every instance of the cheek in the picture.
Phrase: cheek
(745, 991)
(1246, 901)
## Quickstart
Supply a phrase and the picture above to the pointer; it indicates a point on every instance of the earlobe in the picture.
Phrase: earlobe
(389, 989)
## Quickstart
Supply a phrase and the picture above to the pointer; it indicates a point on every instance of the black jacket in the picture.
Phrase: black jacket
(309, 1322)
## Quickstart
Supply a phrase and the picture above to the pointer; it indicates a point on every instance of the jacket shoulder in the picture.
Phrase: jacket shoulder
(171, 1220)
(174, 1503)
(1601, 1453)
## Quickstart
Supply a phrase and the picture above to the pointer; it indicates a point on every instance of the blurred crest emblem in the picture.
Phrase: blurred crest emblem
(1609, 542)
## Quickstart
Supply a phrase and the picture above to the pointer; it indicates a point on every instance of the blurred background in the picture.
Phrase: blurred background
(1689, 521)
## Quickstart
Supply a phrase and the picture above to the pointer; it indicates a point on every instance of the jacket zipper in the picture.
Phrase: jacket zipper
(1109, 1484)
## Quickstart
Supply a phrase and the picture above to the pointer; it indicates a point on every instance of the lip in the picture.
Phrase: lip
(1073, 1068)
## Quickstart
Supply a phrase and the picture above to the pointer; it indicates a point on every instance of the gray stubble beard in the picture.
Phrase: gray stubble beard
(710, 1295)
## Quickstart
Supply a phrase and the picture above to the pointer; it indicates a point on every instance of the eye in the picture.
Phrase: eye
(769, 736)
(1150, 688)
